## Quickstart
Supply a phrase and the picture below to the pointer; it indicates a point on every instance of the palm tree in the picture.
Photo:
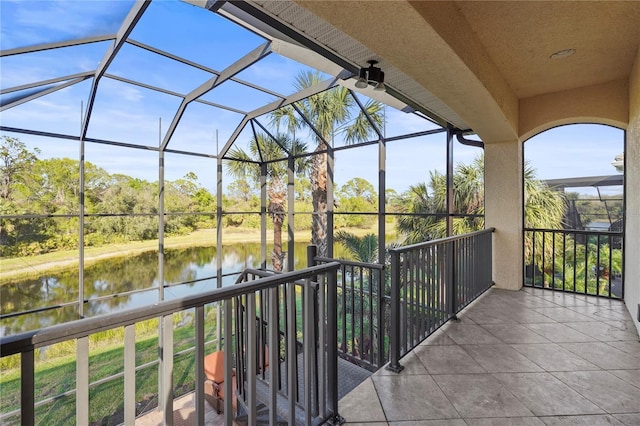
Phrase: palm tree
(544, 207)
(468, 183)
(264, 148)
(330, 113)
(363, 249)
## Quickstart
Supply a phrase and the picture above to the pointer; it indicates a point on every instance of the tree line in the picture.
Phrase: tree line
(39, 203)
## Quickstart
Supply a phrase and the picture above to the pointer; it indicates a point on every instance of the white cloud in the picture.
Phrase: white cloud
(34, 22)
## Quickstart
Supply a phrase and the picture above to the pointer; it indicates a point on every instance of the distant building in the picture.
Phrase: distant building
(597, 226)
(618, 163)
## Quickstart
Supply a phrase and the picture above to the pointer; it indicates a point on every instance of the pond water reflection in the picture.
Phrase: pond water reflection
(109, 277)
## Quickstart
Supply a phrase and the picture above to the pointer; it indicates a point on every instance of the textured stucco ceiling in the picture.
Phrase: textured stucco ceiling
(520, 37)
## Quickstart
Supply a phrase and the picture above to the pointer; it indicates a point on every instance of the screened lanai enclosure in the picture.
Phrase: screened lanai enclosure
(244, 124)
(228, 120)
(185, 178)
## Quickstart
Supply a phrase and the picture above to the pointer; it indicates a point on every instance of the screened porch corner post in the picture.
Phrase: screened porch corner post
(332, 342)
(395, 326)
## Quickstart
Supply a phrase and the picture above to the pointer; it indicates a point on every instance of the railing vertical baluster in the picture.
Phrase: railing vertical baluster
(476, 271)
(429, 283)
(610, 264)
(361, 313)
(564, 260)
(167, 368)
(308, 341)
(27, 388)
(274, 356)
(129, 375)
(409, 286)
(436, 286)
(533, 257)
(470, 265)
(252, 349)
(381, 316)
(262, 341)
(440, 268)
(322, 344)
(352, 292)
(82, 381)
(394, 329)
(228, 358)
(598, 265)
(292, 353)
(451, 280)
(544, 256)
(586, 265)
(490, 262)
(466, 287)
(372, 286)
(281, 339)
(553, 260)
(404, 293)
(199, 363)
(423, 309)
(477, 253)
(575, 262)
(343, 281)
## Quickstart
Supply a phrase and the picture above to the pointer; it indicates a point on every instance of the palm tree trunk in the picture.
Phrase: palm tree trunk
(277, 255)
(318, 180)
(277, 197)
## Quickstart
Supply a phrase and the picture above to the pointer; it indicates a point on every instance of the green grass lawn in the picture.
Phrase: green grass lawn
(106, 404)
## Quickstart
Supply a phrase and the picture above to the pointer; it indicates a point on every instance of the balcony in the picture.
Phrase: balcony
(499, 364)
(457, 348)
(530, 357)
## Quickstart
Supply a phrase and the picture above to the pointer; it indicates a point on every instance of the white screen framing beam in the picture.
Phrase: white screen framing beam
(126, 28)
(22, 99)
(232, 70)
(56, 45)
(298, 96)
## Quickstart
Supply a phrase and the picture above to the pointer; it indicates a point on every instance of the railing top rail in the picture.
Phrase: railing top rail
(577, 231)
(403, 249)
(17, 343)
(349, 262)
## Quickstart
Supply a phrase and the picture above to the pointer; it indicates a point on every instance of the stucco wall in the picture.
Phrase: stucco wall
(632, 176)
(503, 210)
(606, 103)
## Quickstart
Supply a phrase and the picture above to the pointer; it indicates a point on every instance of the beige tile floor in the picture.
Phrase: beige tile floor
(514, 358)
(531, 357)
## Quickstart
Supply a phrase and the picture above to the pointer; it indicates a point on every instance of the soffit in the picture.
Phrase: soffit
(357, 53)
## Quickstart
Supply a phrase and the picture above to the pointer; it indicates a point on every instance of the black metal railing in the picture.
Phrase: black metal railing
(363, 311)
(240, 358)
(431, 282)
(290, 322)
(587, 262)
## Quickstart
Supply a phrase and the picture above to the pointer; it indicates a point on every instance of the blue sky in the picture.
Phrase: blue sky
(127, 113)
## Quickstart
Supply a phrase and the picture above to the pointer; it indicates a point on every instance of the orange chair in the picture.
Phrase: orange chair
(214, 381)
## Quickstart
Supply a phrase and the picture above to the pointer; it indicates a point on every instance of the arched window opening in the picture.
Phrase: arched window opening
(574, 210)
